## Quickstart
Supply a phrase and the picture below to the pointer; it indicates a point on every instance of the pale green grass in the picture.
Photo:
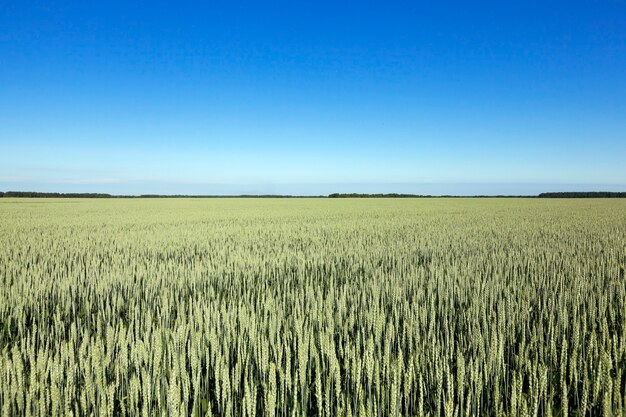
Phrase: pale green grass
(326, 307)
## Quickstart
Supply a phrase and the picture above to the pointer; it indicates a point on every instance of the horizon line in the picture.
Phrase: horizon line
(549, 194)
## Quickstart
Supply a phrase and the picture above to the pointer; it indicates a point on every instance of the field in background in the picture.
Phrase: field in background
(246, 307)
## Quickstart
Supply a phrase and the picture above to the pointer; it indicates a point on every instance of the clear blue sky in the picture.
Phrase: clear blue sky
(316, 97)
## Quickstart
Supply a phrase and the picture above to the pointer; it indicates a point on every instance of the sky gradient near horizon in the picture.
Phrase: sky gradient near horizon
(290, 97)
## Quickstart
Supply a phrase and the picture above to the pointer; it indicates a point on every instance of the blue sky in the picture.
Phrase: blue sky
(227, 97)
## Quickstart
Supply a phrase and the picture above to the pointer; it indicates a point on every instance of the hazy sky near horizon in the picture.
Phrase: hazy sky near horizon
(234, 97)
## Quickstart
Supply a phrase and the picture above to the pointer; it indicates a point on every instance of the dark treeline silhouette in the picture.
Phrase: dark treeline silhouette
(584, 194)
(221, 196)
(390, 195)
(394, 195)
(33, 194)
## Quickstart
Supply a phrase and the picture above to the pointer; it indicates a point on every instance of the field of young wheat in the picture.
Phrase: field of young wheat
(326, 307)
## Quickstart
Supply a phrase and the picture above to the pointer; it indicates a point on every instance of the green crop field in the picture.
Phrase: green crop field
(328, 307)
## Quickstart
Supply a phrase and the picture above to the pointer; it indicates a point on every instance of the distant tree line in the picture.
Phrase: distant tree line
(31, 194)
(584, 194)
(221, 196)
(390, 195)
(395, 195)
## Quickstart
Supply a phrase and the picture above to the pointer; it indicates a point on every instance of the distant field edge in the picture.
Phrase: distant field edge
(567, 194)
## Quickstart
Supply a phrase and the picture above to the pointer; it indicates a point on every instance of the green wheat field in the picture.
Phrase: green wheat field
(313, 307)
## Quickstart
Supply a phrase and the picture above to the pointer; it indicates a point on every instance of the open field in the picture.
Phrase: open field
(250, 307)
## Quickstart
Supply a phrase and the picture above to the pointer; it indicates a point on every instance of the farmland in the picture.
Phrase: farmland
(328, 307)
